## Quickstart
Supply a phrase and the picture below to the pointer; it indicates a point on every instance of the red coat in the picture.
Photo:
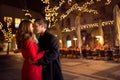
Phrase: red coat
(31, 71)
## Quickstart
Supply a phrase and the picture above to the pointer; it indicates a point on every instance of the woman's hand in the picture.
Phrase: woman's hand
(32, 62)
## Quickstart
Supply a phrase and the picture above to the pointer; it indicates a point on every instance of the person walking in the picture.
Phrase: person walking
(29, 48)
(51, 59)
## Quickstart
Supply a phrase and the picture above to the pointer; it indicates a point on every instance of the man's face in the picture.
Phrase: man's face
(37, 28)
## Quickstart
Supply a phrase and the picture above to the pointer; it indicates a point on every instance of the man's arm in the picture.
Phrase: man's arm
(52, 53)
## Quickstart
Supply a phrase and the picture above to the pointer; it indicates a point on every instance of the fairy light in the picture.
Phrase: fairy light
(51, 13)
(8, 20)
(105, 23)
(27, 13)
(7, 33)
(69, 2)
(98, 0)
(83, 8)
(1, 25)
(45, 1)
(108, 2)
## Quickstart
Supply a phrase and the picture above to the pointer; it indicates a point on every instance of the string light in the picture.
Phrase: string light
(1, 25)
(69, 2)
(27, 13)
(66, 30)
(108, 2)
(45, 1)
(98, 0)
(51, 13)
(8, 20)
(7, 33)
(105, 23)
(82, 9)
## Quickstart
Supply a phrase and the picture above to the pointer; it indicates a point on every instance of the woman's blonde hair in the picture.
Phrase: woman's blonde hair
(23, 33)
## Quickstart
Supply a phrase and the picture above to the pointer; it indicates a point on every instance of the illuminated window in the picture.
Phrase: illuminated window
(69, 43)
(17, 22)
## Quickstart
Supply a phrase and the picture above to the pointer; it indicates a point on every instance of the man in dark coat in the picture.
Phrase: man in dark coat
(51, 59)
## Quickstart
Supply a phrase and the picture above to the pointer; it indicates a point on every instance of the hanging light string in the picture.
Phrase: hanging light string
(69, 2)
(51, 13)
(83, 8)
(108, 2)
(86, 26)
(1, 25)
(105, 23)
(7, 33)
(46, 1)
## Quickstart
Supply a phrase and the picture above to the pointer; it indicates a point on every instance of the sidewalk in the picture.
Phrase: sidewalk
(73, 69)
(95, 69)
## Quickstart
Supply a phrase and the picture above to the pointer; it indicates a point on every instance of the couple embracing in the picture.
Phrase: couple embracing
(40, 51)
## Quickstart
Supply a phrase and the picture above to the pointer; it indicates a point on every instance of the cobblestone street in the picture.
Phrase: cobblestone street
(73, 69)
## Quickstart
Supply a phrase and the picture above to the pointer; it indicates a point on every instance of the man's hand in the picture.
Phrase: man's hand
(46, 51)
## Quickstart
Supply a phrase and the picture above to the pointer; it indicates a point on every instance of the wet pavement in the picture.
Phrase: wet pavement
(73, 69)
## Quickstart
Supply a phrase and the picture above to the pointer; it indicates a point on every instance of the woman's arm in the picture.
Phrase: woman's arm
(33, 50)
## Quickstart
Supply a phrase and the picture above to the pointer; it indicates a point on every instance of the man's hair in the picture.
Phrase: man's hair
(41, 21)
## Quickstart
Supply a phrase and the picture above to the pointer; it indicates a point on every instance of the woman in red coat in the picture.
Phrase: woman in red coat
(26, 42)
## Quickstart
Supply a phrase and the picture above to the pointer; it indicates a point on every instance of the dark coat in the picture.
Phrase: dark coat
(51, 59)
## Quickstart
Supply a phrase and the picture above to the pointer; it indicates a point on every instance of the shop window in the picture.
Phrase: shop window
(69, 43)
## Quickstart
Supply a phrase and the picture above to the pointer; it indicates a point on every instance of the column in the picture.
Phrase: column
(100, 33)
(59, 34)
(78, 31)
(116, 13)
